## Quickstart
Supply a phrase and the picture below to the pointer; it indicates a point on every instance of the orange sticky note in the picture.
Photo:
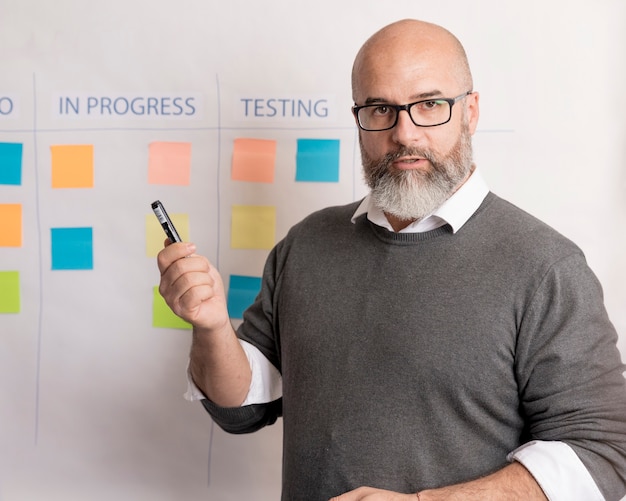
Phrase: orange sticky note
(10, 225)
(169, 163)
(254, 160)
(72, 166)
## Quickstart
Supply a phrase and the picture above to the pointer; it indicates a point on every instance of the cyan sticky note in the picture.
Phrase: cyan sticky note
(242, 291)
(317, 160)
(11, 163)
(9, 292)
(72, 248)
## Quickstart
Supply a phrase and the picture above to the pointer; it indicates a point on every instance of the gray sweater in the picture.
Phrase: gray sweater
(412, 361)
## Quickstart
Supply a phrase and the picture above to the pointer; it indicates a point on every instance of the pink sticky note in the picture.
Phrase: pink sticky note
(169, 163)
(254, 160)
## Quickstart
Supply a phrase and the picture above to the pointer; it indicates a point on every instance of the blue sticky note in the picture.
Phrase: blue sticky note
(72, 248)
(317, 160)
(11, 163)
(241, 294)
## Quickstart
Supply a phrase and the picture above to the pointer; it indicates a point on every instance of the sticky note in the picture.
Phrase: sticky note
(169, 163)
(254, 160)
(9, 292)
(317, 160)
(11, 163)
(162, 316)
(253, 227)
(72, 248)
(242, 291)
(155, 234)
(10, 225)
(72, 166)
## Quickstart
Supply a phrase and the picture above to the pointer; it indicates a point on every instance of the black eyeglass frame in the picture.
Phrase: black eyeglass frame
(407, 107)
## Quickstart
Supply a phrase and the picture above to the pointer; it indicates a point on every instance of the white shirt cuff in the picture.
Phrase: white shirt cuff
(193, 393)
(266, 385)
(558, 470)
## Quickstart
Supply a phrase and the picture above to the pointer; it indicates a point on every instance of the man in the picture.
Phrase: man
(431, 342)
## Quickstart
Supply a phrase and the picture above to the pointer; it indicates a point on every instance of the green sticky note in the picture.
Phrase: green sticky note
(9, 292)
(162, 316)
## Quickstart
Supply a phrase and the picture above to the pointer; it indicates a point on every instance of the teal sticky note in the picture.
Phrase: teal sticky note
(11, 163)
(72, 248)
(317, 160)
(242, 291)
(9, 292)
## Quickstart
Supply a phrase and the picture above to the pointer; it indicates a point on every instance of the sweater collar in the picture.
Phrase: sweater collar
(455, 211)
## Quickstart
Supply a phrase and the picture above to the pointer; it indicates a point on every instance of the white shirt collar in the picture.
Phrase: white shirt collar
(455, 211)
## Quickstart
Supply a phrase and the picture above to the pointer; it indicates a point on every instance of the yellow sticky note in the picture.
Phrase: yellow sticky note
(253, 227)
(254, 160)
(155, 234)
(162, 316)
(72, 166)
(10, 225)
(169, 163)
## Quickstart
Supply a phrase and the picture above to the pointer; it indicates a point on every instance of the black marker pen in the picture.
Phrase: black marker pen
(165, 221)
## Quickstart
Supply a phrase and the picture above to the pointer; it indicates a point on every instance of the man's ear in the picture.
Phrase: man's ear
(472, 111)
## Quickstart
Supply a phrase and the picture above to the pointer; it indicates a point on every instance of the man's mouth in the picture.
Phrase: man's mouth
(408, 162)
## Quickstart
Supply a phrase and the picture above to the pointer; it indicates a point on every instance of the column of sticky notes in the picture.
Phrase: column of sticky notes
(253, 226)
(72, 168)
(169, 163)
(10, 225)
(71, 248)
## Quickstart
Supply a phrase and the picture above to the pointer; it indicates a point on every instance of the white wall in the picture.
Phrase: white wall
(91, 394)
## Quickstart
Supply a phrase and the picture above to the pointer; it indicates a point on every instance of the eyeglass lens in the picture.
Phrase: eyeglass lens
(424, 113)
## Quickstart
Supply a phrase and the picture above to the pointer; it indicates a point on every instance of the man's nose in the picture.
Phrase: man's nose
(406, 132)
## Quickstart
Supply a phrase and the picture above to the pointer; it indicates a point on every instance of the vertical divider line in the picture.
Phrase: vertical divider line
(219, 232)
(219, 169)
(40, 264)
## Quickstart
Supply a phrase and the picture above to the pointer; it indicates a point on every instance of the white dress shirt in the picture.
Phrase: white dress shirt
(554, 465)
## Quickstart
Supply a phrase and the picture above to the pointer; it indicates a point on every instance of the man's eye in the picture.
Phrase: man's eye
(429, 105)
(381, 111)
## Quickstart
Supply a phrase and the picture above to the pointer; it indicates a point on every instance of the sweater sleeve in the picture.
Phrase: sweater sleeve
(570, 372)
(257, 329)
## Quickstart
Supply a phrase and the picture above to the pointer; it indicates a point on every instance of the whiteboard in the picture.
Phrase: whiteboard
(91, 400)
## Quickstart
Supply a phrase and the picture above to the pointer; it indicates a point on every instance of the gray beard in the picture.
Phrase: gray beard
(412, 194)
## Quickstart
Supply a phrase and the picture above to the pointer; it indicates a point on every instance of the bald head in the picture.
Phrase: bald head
(413, 42)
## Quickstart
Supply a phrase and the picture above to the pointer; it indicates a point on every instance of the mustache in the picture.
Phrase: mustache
(407, 152)
(381, 167)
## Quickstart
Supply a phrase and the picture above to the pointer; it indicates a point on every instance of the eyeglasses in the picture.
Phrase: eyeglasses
(426, 113)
